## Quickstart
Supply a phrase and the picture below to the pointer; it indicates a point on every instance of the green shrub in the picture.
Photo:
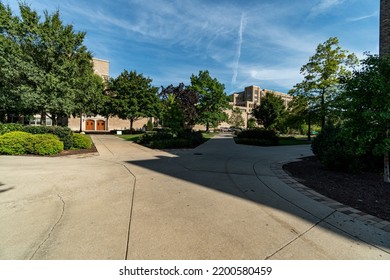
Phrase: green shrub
(8, 127)
(335, 151)
(47, 144)
(259, 136)
(16, 143)
(64, 133)
(166, 139)
(149, 126)
(81, 141)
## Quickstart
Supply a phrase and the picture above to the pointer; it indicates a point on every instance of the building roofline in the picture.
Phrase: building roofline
(104, 60)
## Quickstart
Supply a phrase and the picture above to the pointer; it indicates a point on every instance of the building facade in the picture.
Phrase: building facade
(251, 97)
(98, 122)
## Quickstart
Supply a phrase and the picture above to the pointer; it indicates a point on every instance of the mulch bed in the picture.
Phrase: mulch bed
(77, 152)
(364, 191)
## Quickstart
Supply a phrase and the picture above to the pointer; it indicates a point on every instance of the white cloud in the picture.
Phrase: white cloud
(239, 45)
(375, 14)
(325, 5)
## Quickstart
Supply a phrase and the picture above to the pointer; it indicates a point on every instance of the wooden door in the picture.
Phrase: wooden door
(90, 125)
(100, 125)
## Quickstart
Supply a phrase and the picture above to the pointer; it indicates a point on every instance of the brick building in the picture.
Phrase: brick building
(98, 122)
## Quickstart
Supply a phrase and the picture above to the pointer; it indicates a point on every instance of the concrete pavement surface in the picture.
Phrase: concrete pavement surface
(218, 201)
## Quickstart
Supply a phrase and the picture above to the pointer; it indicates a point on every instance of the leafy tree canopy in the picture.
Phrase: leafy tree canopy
(212, 99)
(134, 96)
(47, 60)
(270, 112)
(322, 75)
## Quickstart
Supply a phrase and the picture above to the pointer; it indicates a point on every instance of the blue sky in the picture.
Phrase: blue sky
(241, 43)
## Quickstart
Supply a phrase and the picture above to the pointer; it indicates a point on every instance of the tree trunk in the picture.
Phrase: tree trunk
(323, 109)
(43, 118)
(207, 127)
(386, 171)
(386, 163)
(131, 125)
(81, 122)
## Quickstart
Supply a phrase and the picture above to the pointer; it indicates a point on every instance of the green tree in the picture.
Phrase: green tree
(90, 99)
(270, 112)
(236, 118)
(212, 99)
(322, 74)
(53, 56)
(134, 97)
(366, 109)
(184, 99)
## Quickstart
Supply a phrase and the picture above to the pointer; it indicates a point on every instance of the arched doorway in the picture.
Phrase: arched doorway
(100, 125)
(89, 125)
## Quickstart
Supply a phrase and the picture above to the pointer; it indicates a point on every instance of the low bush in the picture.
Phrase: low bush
(334, 150)
(64, 133)
(47, 144)
(21, 143)
(16, 143)
(258, 136)
(8, 127)
(166, 139)
(81, 141)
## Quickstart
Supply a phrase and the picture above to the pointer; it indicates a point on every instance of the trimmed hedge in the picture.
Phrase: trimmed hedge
(166, 139)
(47, 144)
(20, 143)
(81, 141)
(16, 143)
(8, 127)
(64, 133)
(258, 137)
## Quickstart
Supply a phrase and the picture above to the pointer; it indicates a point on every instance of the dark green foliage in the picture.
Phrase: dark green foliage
(134, 96)
(168, 140)
(333, 149)
(16, 143)
(81, 141)
(258, 136)
(212, 99)
(64, 133)
(270, 112)
(149, 126)
(179, 106)
(47, 144)
(8, 127)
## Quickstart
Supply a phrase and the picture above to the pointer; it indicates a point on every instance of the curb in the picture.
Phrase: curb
(277, 169)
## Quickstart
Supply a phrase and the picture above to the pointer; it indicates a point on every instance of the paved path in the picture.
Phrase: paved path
(218, 201)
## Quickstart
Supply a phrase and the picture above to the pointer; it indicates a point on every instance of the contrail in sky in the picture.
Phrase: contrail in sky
(239, 44)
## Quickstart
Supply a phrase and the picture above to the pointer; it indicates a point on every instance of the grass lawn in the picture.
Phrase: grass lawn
(131, 137)
(298, 140)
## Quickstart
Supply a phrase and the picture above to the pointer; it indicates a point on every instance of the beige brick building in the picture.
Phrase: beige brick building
(251, 96)
(98, 122)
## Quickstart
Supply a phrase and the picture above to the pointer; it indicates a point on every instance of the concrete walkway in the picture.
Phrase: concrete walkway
(218, 201)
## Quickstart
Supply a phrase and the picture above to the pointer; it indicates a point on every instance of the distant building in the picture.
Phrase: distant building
(251, 97)
(98, 122)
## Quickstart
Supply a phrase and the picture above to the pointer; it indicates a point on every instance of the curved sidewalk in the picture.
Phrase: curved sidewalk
(218, 201)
